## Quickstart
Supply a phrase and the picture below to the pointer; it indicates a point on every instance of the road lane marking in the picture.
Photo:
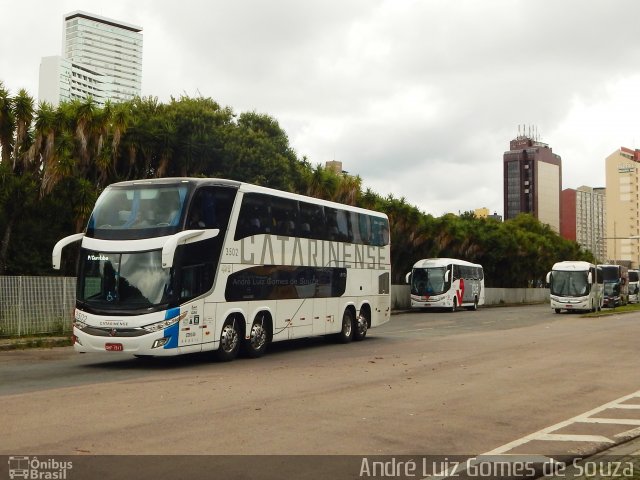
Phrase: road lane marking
(559, 437)
(612, 421)
(587, 417)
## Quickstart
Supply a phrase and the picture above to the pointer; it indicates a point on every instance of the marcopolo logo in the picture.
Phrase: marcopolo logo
(38, 469)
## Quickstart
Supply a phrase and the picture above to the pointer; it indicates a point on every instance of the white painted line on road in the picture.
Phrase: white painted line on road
(628, 406)
(558, 437)
(612, 421)
(539, 435)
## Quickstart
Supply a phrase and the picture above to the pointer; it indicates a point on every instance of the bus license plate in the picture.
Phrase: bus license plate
(113, 347)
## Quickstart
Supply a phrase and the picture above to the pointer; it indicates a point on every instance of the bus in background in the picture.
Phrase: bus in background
(616, 285)
(575, 285)
(634, 286)
(181, 265)
(446, 283)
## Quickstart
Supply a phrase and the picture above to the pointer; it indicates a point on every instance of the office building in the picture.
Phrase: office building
(623, 218)
(583, 219)
(101, 58)
(532, 180)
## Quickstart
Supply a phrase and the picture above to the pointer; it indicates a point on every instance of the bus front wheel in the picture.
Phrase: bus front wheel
(346, 334)
(229, 341)
(454, 307)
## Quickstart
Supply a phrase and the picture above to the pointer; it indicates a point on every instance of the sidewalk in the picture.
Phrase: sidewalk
(620, 461)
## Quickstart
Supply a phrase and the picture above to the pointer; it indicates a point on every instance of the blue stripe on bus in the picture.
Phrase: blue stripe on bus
(171, 313)
(172, 332)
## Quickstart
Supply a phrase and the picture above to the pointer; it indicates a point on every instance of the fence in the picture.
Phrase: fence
(36, 305)
(44, 305)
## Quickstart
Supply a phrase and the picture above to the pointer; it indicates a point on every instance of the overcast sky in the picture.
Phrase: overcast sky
(418, 98)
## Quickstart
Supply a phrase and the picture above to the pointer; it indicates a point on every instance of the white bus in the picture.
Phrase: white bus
(181, 265)
(446, 283)
(634, 286)
(575, 285)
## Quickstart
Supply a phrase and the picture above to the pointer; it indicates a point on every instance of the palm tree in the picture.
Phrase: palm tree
(7, 125)
(23, 113)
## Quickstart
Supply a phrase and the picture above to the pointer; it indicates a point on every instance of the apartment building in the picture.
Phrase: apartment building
(583, 219)
(623, 217)
(101, 58)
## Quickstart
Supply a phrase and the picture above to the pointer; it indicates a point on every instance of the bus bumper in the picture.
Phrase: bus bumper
(573, 304)
(162, 343)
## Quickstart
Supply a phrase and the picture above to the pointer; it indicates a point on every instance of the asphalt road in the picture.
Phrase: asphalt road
(432, 383)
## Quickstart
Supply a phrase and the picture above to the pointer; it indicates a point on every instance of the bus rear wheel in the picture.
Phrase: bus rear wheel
(362, 325)
(474, 307)
(229, 341)
(256, 344)
(346, 334)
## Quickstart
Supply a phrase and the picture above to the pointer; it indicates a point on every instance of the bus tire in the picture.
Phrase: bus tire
(256, 344)
(557, 310)
(229, 340)
(346, 334)
(474, 307)
(362, 325)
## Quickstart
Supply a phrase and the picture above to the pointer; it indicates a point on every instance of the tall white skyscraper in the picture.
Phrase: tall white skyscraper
(101, 58)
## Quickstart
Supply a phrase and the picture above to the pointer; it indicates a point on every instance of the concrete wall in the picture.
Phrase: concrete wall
(493, 296)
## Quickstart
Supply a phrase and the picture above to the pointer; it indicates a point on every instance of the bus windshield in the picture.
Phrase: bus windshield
(611, 289)
(428, 281)
(569, 284)
(138, 211)
(610, 273)
(123, 281)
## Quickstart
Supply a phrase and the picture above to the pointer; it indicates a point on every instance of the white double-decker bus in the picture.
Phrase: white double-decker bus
(446, 283)
(181, 265)
(575, 285)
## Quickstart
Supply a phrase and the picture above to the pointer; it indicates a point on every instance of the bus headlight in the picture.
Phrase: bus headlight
(161, 325)
(79, 324)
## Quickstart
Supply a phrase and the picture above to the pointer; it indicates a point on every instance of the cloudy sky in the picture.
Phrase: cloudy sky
(418, 98)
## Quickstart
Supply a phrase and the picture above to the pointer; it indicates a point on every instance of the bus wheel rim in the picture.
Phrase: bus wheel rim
(346, 325)
(258, 337)
(229, 338)
(362, 325)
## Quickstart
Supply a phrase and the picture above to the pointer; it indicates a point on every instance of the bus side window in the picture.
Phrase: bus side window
(364, 222)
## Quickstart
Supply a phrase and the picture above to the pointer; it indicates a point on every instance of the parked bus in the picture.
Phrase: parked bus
(181, 265)
(446, 283)
(575, 285)
(616, 285)
(634, 286)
